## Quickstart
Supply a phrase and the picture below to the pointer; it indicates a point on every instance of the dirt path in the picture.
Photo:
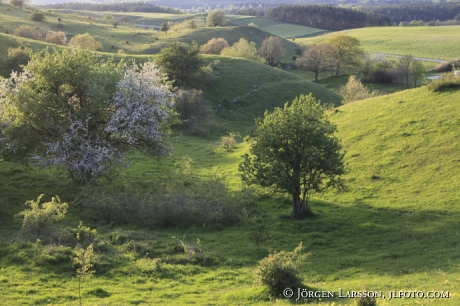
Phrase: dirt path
(415, 58)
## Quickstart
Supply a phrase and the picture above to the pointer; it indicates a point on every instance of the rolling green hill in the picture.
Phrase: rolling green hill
(129, 38)
(276, 27)
(394, 228)
(439, 42)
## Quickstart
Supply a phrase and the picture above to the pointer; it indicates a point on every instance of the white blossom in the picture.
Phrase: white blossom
(81, 152)
(141, 106)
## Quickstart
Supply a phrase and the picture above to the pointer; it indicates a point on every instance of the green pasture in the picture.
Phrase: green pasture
(427, 42)
(278, 28)
(395, 226)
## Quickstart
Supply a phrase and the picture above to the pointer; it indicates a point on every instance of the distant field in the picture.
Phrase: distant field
(155, 19)
(428, 42)
(276, 27)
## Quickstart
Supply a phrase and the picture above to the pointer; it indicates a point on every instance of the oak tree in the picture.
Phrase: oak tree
(295, 151)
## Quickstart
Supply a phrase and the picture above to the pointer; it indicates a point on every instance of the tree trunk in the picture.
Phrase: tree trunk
(337, 70)
(298, 205)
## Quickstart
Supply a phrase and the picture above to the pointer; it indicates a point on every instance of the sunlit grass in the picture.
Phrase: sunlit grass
(440, 42)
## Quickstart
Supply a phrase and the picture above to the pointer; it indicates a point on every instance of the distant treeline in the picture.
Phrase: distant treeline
(409, 12)
(116, 7)
(321, 16)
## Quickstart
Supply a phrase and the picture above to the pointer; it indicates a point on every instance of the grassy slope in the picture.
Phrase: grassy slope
(276, 27)
(412, 154)
(428, 42)
(388, 231)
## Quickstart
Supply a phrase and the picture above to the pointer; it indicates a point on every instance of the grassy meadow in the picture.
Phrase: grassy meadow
(440, 42)
(395, 227)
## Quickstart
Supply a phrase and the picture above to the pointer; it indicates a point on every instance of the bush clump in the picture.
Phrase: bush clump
(448, 65)
(25, 31)
(36, 16)
(214, 46)
(194, 112)
(281, 270)
(41, 217)
(176, 202)
(58, 38)
(448, 81)
(365, 300)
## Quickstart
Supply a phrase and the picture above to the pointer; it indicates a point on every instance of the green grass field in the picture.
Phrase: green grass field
(427, 42)
(388, 231)
(394, 228)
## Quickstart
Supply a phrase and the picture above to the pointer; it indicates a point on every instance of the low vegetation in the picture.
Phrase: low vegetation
(447, 81)
(280, 270)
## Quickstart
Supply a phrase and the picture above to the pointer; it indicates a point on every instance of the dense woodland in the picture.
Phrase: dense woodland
(322, 16)
(408, 12)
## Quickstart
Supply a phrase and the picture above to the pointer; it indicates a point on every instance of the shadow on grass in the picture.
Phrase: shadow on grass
(363, 239)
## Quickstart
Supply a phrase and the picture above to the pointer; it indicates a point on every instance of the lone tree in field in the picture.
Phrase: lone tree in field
(216, 18)
(71, 110)
(403, 69)
(295, 151)
(346, 52)
(272, 49)
(181, 63)
(317, 59)
(417, 70)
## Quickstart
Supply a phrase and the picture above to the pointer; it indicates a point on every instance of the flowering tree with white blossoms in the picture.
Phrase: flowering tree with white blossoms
(72, 110)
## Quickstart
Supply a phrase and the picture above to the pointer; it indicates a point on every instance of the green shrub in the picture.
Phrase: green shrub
(174, 202)
(25, 31)
(228, 142)
(58, 38)
(40, 217)
(281, 270)
(17, 57)
(365, 300)
(448, 81)
(55, 255)
(36, 16)
(448, 66)
(194, 112)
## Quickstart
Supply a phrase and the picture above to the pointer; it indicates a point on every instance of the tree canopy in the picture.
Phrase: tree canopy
(346, 52)
(216, 18)
(295, 151)
(72, 110)
(181, 62)
(272, 49)
(244, 49)
(317, 59)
